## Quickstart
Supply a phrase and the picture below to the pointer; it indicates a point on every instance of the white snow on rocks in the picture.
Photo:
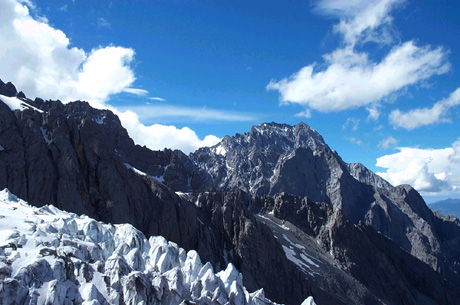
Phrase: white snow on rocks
(220, 150)
(48, 256)
(159, 179)
(46, 135)
(16, 104)
(99, 119)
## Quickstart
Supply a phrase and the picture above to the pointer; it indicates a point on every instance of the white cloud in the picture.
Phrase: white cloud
(365, 20)
(350, 79)
(354, 141)
(425, 116)
(40, 61)
(303, 114)
(152, 111)
(353, 122)
(103, 23)
(374, 113)
(136, 91)
(388, 142)
(159, 137)
(431, 171)
(155, 98)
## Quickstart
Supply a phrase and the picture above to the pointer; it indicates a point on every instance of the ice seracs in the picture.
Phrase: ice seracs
(48, 256)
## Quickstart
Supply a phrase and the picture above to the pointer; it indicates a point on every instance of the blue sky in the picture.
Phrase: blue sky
(377, 79)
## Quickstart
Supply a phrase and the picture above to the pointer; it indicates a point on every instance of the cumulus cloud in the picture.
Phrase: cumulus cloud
(430, 171)
(349, 78)
(388, 142)
(161, 136)
(352, 80)
(41, 61)
(425, 116)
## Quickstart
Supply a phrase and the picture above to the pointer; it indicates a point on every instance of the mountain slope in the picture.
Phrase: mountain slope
(274, 158)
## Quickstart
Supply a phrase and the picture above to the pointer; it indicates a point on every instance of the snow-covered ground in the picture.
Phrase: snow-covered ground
(48, 256)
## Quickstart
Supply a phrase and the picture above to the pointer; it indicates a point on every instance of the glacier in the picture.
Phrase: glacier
(48, 256)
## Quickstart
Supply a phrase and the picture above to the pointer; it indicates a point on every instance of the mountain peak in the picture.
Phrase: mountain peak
(300, 135)
(8, 89)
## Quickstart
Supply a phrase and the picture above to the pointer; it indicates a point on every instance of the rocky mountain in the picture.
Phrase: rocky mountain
(48, 256)
(447, 207)
(274, 158)
(277, 203)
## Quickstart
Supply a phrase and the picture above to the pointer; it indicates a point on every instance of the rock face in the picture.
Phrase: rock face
(52, 257)
(274, 158)
(323, 243)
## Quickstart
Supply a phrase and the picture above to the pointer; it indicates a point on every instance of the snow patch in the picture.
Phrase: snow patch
(16, 104)
(130, 167)
(137, 171)
(100, 119)
(46, 135)
(220, 150)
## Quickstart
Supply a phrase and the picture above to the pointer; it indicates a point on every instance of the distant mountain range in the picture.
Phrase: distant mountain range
(275, 202)
(447, 207)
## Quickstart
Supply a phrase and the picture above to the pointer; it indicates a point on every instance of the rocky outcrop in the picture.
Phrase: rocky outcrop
(377, 270)
(251, 247)
(8, 89)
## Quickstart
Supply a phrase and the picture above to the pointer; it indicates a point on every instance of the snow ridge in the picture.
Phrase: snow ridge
(48, 256)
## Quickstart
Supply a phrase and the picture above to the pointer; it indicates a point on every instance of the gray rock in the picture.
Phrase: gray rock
(377, 271)
(275, 158)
